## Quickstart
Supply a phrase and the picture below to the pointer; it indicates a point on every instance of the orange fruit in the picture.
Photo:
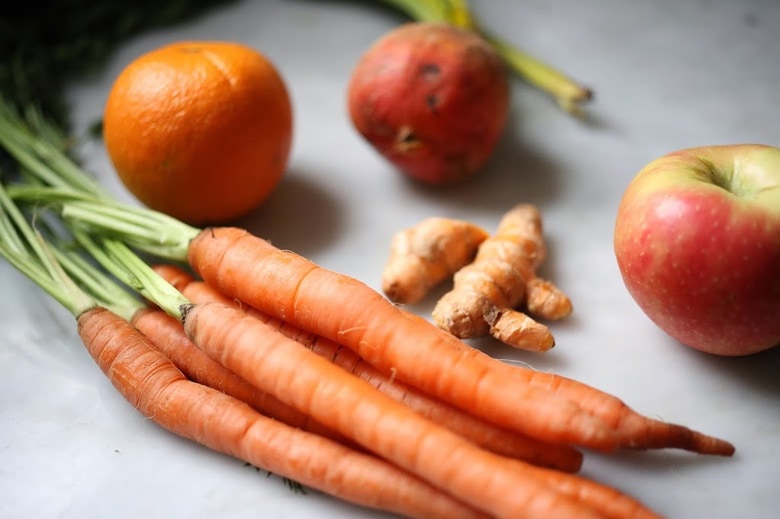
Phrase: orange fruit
(200, 130)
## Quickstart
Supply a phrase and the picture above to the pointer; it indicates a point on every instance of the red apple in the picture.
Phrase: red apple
(697, 241)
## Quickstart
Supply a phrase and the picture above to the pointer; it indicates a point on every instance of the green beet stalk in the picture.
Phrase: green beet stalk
(569, 94)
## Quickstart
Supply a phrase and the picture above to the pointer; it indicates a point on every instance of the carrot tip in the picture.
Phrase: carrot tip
(648, 433)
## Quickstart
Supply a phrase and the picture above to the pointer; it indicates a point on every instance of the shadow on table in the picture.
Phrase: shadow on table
(515, 173)
(759, 371)
(660, 461)
(300, 216)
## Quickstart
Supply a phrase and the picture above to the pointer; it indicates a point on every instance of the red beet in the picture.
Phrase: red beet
(433, 99)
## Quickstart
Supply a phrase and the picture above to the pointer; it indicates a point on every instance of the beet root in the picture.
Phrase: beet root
(433, 99)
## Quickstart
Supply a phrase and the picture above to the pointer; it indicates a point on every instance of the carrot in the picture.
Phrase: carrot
(152, 384)
(167, 336)
(501, 441)
(310, 383)
(501, 486)
(347, 311)
(635, 430)
(590, 496)
(302, 293)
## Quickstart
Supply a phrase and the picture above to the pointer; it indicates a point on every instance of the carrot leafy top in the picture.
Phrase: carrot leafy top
(85, 255)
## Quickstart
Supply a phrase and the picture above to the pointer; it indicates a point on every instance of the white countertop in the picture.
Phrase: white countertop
(667, 75)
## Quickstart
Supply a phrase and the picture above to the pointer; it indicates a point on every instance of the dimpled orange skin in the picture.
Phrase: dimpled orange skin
(199, 130)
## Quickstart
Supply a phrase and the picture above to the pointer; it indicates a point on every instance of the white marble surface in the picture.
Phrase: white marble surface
(667, 74)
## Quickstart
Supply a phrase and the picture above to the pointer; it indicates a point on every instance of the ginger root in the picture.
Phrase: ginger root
(486, 294)
(428, 253)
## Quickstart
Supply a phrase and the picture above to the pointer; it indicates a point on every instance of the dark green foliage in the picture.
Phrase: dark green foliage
(44, 44)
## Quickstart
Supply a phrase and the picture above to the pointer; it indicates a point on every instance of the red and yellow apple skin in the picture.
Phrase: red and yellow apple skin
(697, 242)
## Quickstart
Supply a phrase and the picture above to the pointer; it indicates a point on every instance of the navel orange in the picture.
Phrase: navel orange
(200, 130)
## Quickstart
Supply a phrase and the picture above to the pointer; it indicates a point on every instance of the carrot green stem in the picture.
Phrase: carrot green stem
(131, 270)
(74, 282)
(31, 142)
(24, 248)
(95, 282)
(139, 227)
(568, 94)
(60, 271)
(34, 145)
(106, 221)
(105, 228)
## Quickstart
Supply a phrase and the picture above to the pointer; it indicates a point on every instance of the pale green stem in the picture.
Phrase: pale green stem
(122, 262)
(569, 94)
(421, 10)
(36, 260)
(83, 204)
(95, 282)
(37, 152)
(148, 230)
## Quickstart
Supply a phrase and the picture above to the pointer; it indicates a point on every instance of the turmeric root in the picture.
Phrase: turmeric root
(545, 300)
(428, 253)
(488, 291)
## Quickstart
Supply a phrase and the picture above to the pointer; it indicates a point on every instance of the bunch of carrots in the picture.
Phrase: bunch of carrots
(233, 343)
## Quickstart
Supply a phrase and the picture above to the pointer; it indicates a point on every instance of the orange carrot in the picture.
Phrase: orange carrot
(343, 309)
(151, 383)
(281, 366)
(166, 334)
(636, 431)
(501, 441)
